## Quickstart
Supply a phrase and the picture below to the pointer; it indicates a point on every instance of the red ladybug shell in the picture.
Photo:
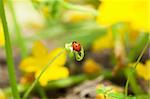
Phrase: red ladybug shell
(76, 46)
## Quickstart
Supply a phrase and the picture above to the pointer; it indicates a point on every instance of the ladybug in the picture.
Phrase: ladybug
(76, 46)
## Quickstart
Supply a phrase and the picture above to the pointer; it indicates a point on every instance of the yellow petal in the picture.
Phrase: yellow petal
(45, 11)
(135, 12)
(60, 60)
(144, 70)
(39, 50)
(2, 95)
(53, 73)
(100, 96)
(104, 42)
(90, 66)
(148, 63)
(147, 75)
(28, 65)
(2, 40)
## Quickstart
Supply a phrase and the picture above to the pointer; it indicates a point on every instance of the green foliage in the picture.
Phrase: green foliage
(130, 73)
(108, 92)
(137, 48)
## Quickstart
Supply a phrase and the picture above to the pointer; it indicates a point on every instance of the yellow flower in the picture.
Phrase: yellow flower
(134, 12)
(104, 42)
(143, 70)
(2, 40)
(39, 58)
(108, 40)
(90, 66)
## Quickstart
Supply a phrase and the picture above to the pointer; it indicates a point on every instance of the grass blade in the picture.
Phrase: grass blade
(10, 61)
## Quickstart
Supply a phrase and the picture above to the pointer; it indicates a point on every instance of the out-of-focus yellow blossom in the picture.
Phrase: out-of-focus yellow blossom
(2, 95)
(2, 40)
(143, 70)
(43, 8)
(77, 16)
(108, 40)
(39, 58)
(100, 96)
(90, 66)
(45, 11)
(34, 25)
(103, 42)
(134, 12)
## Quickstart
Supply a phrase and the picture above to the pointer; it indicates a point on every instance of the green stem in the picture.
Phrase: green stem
(144, 49)
(140, 43)
(42, 71)
(20, 40)
(138, 60)
(126, 87)
(10, 61)
(41, 92)
(130, 73)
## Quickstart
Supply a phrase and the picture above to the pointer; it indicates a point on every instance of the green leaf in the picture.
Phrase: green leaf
(100, 91)
(79, 55)
(130, 73)
(144, 96)
(116, 95)
(56, 8)
(141, 42)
